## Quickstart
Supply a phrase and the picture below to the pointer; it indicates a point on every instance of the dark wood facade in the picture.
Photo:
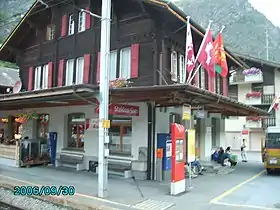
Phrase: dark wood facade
(152, 29)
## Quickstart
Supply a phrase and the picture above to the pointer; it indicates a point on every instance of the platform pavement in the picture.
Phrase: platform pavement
(123, 193)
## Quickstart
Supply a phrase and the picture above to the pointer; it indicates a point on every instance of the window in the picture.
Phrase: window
(125, 63)
(218, 88)
(45, 76)
(76, 130)
(120, 136)
(71, 27)
(202, 78)
(69, 72)
(50, 32)
(43, 126)
(174, 66)
(37, 78)
(113, 65)
(82, 21)
(182, 69)
(79, 70)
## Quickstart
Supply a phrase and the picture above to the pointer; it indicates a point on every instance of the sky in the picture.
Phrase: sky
(270, 8)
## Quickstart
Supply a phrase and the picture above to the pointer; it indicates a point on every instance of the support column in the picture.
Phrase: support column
(206, 139)
(221, 133)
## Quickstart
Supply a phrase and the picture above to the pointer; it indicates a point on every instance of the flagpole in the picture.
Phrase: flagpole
(223, 27)
(200, 48)
(186, 54)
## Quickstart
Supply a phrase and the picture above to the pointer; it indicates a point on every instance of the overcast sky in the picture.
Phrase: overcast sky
(270, 8)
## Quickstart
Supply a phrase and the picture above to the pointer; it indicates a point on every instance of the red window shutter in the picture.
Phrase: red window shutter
(64, 25)
(30, 78)
(60, 72)
(50, 74)
(134, 69)
(225, 86)
(86, 68)
(88, 19)
(98, 69)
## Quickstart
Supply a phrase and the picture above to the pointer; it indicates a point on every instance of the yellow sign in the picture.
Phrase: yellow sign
(186, 112)
(106, 123)
(191, 145)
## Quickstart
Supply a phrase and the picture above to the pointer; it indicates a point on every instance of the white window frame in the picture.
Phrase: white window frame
(125, 68)
(174, 66)
(82, 21)
(50, 32)
(113, 65)
(80, 62)
(182, 69)
(45, 73)
(37, 78)
(69, 73)
(71, 25)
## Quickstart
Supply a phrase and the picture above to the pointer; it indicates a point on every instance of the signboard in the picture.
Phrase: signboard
(186, 112)
(200, 114)
(122, 110)
(191, 145)
(178, 136)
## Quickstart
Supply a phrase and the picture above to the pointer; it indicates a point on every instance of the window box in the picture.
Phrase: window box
(254, 95)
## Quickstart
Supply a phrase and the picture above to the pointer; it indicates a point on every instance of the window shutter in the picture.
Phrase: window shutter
(50, 74)
(30, 78)
(88, 19)
(98, 69)
(64, 25)
(86, 68)
(134, 69)
(225, 86)
(60, 72)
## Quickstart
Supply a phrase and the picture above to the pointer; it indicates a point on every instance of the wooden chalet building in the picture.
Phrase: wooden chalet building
(57, 50)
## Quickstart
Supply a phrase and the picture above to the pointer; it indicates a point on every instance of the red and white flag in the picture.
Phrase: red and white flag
(206, 54)
(190, 59)
(275, 104)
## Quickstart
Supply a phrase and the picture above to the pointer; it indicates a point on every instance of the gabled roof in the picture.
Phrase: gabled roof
(8, 76)
(167, 4)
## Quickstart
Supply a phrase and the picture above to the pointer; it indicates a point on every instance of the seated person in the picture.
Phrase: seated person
(227, 155)
(215, 155)
(197, 164)
(221, 153)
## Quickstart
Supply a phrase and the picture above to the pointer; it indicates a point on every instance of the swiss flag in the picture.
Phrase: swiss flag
(190, 60)
(206, 54)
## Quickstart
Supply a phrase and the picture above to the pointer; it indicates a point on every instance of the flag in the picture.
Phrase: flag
(221, 66)
(206, 54)
(190, 60)
(275, 104)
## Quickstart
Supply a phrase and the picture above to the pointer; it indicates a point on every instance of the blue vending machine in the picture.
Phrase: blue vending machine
(53, 142)
(164, 142)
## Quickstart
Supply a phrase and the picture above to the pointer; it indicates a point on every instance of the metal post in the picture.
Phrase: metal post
(104, 98)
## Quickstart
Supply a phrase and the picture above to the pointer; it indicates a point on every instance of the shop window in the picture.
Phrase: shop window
(82, 21)
(79, 70)
(71, 26)
(76, 130)
(69, 72)
(125, 60)
(42, 126)
(120, 136)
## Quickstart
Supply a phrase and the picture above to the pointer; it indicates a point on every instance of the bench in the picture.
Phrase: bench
(70, 159)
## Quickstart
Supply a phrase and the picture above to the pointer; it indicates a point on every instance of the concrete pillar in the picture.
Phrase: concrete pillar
(221, 133)
(206, 139)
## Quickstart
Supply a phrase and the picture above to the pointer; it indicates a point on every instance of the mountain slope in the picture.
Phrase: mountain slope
(245, 30)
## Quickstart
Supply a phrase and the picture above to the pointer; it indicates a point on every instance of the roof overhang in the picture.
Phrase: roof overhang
(177, 95)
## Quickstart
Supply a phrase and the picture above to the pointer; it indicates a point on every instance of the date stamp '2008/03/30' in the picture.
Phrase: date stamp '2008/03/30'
(44, 190)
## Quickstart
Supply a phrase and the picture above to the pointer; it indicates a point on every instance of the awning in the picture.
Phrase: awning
(122, 109)
(177, 95)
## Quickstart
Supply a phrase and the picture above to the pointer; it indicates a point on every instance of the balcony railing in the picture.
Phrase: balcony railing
(267, 98)
(270, 121)
(239, 78)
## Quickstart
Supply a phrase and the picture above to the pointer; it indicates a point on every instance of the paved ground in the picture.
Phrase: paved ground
(247, 187)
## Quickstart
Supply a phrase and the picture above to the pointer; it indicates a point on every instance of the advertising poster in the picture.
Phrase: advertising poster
(186, 115)
(191, 145)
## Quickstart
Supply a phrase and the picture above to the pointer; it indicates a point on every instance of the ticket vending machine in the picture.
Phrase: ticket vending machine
(164, 142)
